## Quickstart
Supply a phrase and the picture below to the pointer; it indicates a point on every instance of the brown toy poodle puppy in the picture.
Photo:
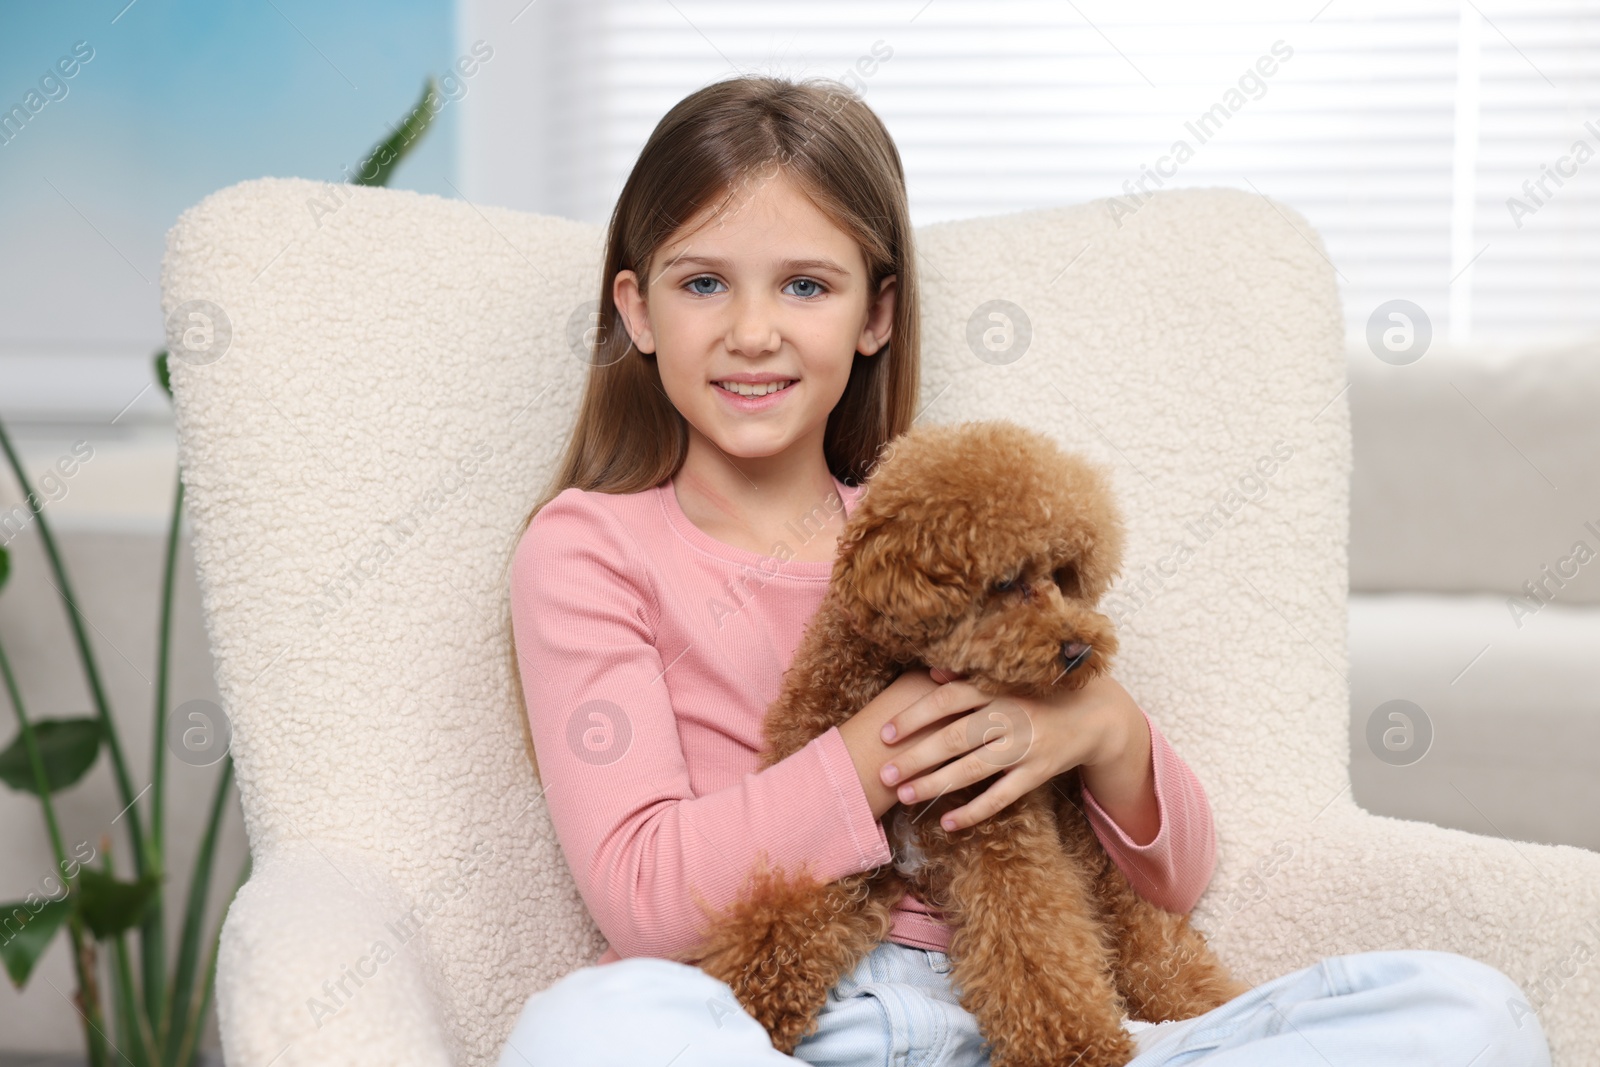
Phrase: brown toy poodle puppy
(981, 548)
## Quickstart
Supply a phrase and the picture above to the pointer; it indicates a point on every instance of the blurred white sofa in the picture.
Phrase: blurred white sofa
(1475, 588)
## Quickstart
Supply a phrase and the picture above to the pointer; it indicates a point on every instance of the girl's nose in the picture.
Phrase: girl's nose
(754, 330)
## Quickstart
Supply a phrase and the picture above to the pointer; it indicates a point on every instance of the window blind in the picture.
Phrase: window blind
(1399, 131)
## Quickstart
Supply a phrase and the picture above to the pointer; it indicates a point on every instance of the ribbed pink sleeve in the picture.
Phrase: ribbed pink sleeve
(638, 841)
(1173, 869)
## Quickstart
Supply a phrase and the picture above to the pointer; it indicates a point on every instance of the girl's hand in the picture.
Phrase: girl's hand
(1030, 740)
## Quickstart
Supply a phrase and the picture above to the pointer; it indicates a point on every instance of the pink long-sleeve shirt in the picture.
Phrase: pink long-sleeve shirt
(649, 653)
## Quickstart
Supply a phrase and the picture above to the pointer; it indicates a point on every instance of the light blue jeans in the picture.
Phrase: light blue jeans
(1410, 1007)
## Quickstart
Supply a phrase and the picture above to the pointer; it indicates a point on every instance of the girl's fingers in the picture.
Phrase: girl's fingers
(949, 699)
(931, 747)
(997, 730)
(963, 752)
(990, 802)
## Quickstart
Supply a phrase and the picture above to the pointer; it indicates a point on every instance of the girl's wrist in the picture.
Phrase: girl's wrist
(1123, 782)
(1121, 722)
(867, 754)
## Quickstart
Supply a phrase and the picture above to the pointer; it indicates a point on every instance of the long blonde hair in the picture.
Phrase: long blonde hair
(628, 436)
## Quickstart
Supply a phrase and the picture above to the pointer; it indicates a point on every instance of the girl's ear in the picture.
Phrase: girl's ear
(880, 318)
(631, 306)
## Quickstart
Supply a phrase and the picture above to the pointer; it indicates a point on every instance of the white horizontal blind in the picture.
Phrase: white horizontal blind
(1346, 111)
(1540, 96)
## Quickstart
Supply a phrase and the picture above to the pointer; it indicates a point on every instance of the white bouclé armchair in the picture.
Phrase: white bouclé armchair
(394, 381)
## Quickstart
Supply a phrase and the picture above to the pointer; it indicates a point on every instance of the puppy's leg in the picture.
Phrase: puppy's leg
(788, 941)
(1163, 967)
(1027, 949)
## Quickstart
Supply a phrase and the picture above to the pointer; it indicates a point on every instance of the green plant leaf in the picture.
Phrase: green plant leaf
(162, 374)
(183, 980)
(110, 906)
(68, 748)
(5, 565)
(386, 155)
(195, 1021)
(25, 934)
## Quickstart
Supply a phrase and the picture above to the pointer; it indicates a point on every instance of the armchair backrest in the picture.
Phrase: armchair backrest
(372, 397)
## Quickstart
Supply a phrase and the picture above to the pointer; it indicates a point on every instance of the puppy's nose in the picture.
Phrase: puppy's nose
(1073, 653)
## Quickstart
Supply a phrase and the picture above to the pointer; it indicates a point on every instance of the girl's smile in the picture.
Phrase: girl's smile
(755, 398)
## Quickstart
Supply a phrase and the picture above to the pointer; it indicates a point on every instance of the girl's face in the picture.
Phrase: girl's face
(770, 287)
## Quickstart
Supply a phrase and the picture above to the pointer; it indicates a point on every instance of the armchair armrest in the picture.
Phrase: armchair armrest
(319, 964)
(1349, 881)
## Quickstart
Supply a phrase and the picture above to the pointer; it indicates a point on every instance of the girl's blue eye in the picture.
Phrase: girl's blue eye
(807, 281)
(703, 278)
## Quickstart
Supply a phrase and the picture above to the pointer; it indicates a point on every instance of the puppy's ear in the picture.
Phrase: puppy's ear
(1101, 559)
(1100, 563)
(901, 583)
(1095, 529)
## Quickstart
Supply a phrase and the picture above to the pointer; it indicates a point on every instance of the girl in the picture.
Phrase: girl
(756, 346)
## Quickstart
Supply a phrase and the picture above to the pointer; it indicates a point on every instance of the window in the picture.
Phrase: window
(1400, 131)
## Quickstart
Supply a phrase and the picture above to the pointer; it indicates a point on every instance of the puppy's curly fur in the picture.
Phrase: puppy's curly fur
(982, 548)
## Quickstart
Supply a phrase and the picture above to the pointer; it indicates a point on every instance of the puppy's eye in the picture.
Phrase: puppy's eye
(1003, 587)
